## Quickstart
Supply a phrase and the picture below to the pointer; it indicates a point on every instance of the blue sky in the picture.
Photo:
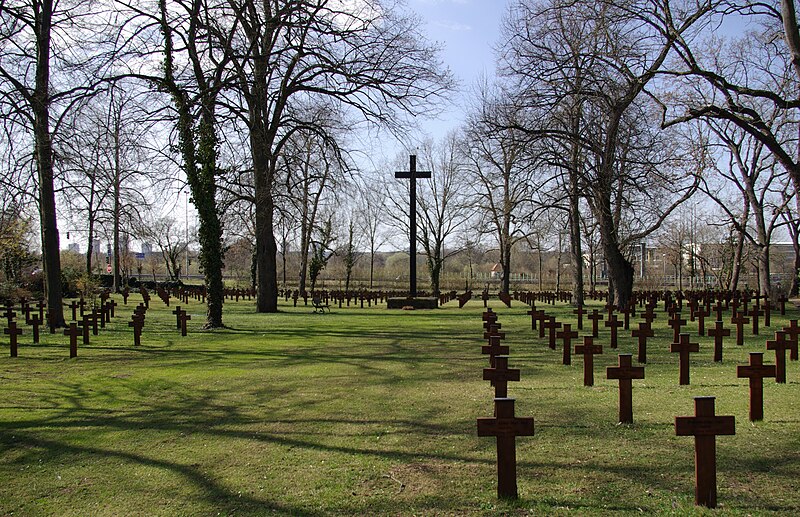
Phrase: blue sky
(468, 30)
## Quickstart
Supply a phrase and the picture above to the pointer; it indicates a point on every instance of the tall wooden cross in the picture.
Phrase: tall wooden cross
(412, 173)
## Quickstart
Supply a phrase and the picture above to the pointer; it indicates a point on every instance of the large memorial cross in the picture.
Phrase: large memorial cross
(412, 173)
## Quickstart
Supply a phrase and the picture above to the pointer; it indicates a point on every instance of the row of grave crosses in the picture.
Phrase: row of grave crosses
(504, 426)
(705, 425)
(84, 322)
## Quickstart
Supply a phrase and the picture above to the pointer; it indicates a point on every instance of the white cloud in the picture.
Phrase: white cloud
(453, 25)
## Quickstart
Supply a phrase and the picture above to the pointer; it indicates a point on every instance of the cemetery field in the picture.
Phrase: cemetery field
(372, 412)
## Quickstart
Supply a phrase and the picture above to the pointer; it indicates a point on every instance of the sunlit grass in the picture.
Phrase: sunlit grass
(364, 412)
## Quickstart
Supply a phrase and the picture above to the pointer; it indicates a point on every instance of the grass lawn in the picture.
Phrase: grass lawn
(370, 412)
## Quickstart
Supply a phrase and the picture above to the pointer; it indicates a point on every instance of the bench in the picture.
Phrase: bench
(318, 305)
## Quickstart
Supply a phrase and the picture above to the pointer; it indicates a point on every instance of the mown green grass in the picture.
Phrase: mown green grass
(368, 412)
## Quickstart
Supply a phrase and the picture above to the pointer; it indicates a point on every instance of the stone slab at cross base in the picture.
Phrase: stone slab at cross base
(416, 303)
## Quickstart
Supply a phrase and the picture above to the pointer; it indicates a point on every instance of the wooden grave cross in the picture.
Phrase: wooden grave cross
(34, 323)
(705, 426)
(552, 325)
(642, 333)
(718, 309)
(500, 375)
(112, 305)
(534, 314)
(580, 312)
(675, 322)
(177, 313)
(625, 373)
(73, 305)
(81, 306)
(412, 174)
(767, 310)
(494, 330)
(626, 318)
(596, 317)
(588, 349)
(12, 331)
(184, 317)
(684, 348)
(701, 314)
(614, 325)
(567, 335)
(85, 325)
(506, 427)
(755, 312)
(782, 299)
(95, 316)
(718, 333)
(9, 314)
(756, 371)
(72, 331)
(780, 345)
(137, 322)
(648, 315)
(740, 320)
(494, 348)
(792, 331)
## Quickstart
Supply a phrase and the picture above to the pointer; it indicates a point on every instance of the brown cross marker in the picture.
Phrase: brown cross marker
(588, 349)
(648, 315)
(81, 306)
(72, 331)
(493, 349)
(718, 309)
(701, 314)
(792, 331)
(780, 345)
(596, 318)
(567, 335)
(684, 348)
(34, 322)
(642, 334)
(12, 331)
(552, 325)
(125, 294)
(625, 373)
(675, 322)
(580, 312)
(626, 317)
(534, 314)
(782, 299)
(184, 317)
(705, 426)
(740, 320)
(137, 322)
(614, 325)
(500, 375)
(111, 309)
(494, 330)
(9, 315)
(718, 333)
(85, 325)
(506, 427)
(755, 313)
(73, 305)
(767, 310)
(95, 316)
(177, 313)
(756, 371)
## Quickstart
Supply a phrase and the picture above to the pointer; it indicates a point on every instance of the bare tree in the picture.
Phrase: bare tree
(629, 176)
(365, 57)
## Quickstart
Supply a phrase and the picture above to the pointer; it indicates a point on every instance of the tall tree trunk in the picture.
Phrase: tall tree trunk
(40, 104)
(117, 210)
(620, 270)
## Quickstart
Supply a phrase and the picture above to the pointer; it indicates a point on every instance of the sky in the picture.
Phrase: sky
(467, 30)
